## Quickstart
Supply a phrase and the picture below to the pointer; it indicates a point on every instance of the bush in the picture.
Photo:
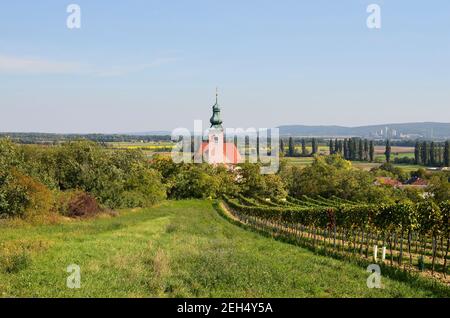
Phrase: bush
(22, 196)
(193, 182)
(405, 160)
(78, 204)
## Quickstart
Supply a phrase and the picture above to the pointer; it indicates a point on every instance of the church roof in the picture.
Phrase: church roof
(231, 153)
(216, 121)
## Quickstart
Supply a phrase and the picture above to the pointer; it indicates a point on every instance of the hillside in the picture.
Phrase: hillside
(177, 249)
(405, 130)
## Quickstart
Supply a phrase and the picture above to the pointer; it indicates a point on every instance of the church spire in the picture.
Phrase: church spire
(216, 121)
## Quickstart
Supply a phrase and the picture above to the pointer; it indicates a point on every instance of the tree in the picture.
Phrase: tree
(193, 182)
(340, 147)
(304, 151)
(387, 152)
(291, 147)
(314, 146)
(331, 147)
(274, 186)
(366, 149)
(432, 153)
(425, 153)
(371, 151)
(257, 147)
(417, 158)
(346, 152)
(352, 148)
(360, 150)
(447, 154)
(440, 187)
(252, 181)
(281, 146)
(439, 155)
(336, 146)
(332, 175)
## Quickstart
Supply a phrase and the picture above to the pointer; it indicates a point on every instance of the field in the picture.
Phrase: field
(148, 148)
(305, 161)
(396, 152)
(177, 249)
(164, 147)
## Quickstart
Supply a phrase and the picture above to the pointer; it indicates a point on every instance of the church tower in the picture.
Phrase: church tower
(215, 136)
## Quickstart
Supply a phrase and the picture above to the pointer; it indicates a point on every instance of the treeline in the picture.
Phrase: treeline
(77, 178)
(432, 153)
(71, 178)
(46, 138)
(354, 149)
(289, 147)
(349, 148)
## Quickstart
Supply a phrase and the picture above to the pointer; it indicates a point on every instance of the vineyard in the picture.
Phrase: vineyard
(406, 236)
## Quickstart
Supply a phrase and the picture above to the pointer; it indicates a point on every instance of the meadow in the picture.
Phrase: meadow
(175, 249)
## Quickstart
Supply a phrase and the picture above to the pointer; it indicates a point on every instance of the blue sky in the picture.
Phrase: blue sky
(154, 65)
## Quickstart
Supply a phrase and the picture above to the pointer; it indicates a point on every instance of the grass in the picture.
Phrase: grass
(177, 249)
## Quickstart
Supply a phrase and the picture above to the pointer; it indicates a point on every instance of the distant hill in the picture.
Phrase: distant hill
(151, 133)
(394, 131)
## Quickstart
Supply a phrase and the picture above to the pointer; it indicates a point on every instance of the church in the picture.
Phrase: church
(216, 150)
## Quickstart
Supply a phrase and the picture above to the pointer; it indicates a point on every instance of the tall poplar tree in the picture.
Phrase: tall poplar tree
(425, 153)
(417, 158)
(352, 148)
(291, 146)
(371, 151)
(281, 146)
(447, 154)
(360, 150)
(314, 146)
(387, 152)
(345, 149)
(432, 153)
(439, 155)
(366, 150)
(304, 150)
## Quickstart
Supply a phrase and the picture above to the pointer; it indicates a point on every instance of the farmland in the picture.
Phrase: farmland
(351, 229)
(176, 249)
(144, 228)
(151, 148)
(397, 152)
(148, 148)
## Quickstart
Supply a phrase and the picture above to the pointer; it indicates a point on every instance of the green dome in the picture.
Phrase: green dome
(216, 121)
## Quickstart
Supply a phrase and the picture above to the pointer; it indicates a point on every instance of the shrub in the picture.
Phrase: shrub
(22, 196)
(193, 182)
(78, 204)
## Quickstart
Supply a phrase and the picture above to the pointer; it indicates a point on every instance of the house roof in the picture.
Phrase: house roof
(417, 182)
(388, 181)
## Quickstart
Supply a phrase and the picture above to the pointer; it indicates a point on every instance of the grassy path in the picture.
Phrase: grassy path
(178, 249)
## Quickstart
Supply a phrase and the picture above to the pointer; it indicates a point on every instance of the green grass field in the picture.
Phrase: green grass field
(177, 249)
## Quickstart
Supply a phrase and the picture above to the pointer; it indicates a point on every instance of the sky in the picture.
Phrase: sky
(137, 66)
